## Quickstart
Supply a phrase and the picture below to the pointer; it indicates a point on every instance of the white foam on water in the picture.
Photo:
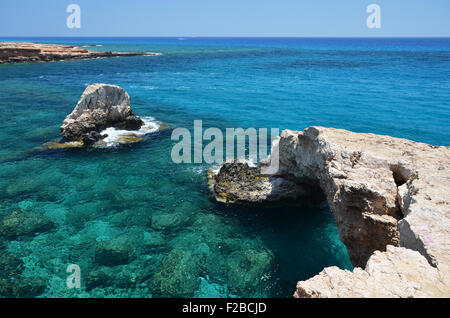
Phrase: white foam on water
(199, 169)
(150, 88)
(250, 163)
(215, 169)
(112, 140)
(74, 143)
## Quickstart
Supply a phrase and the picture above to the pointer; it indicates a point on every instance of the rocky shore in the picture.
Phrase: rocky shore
(389, 197)
(21, 52)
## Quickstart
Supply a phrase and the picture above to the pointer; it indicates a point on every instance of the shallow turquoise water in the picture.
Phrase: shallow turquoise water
(180, 242)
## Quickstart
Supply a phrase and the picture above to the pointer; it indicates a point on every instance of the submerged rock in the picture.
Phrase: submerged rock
(12, 282)
(129, 138)
(167, 220)
(248, 269)
(22, 287)
(382, 191)
(100, 277)
(20, 224)
(173, 218)
(52, 145)
(9, 264)
(101, 106)
(153, 240)
(113, 252)
(178, 276)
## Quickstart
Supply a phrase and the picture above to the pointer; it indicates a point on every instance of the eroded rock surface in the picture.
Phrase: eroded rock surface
(24, 52)
(382, 191)
(398, 272)
(237, 181)
(101, 106)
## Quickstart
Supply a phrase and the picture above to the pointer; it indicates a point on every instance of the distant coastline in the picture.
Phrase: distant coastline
(22, 52)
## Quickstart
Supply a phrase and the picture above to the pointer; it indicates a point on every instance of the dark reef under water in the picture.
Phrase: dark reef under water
(138, 232)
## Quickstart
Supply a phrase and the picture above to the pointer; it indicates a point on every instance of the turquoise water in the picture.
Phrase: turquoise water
(177, 240)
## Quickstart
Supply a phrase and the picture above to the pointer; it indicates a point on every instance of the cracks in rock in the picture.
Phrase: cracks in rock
(404, 177)
(399, 179)
(355, 157)
(401, 174)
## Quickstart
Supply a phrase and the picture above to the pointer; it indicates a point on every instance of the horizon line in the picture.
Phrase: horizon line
(226, 36)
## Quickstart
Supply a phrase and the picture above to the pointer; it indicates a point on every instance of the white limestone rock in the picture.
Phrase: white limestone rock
(382, 191)
(101, 106)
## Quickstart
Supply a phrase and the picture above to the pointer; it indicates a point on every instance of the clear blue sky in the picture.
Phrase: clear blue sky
(225, 18)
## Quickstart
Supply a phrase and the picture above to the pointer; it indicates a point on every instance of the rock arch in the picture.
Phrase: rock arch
(387, 195)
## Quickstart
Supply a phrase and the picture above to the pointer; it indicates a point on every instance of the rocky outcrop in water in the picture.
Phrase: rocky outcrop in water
(101, 106)
(382, 191)
(239, 182)
(21, 52)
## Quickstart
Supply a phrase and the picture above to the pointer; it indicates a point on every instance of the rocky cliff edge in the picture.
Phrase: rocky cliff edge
(390, 200)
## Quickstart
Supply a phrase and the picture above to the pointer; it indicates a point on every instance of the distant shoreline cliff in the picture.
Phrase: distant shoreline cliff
(23, 52)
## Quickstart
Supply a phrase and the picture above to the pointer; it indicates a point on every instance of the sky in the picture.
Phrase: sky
(234, 18)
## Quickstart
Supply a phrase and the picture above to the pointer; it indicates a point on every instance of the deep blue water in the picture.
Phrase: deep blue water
(399, 87)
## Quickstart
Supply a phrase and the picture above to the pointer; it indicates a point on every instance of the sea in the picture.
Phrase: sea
(139, 225)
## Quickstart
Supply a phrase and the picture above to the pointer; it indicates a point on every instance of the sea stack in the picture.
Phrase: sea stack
(101, 106)
(390, 200)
